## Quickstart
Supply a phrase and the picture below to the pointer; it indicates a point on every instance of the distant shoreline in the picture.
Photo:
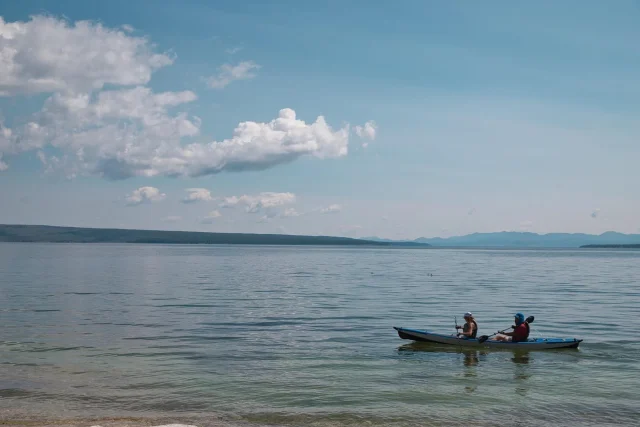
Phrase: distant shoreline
(15, 233)
(59, 234)
(621, 246)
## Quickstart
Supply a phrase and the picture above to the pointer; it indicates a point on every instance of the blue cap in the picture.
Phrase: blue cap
(520, 318)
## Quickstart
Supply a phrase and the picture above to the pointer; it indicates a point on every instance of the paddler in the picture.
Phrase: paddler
(470, 328)
(520, 331)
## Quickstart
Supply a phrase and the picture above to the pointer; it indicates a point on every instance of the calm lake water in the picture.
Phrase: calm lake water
(303, 335)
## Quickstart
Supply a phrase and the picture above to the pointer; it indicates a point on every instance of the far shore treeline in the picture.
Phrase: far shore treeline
(505, 240)
(54, 234)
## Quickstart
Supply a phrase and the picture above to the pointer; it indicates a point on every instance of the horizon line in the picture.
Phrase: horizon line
(366, 238)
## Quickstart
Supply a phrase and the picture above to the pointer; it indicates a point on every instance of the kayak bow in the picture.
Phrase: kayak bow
(530, 344)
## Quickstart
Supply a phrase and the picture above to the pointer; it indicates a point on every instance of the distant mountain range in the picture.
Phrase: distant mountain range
(509, 239)
(631, 246)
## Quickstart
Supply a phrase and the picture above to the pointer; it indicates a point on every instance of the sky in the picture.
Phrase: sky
(358, 118)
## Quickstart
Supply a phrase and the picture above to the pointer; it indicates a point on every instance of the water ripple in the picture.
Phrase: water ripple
(302, 336)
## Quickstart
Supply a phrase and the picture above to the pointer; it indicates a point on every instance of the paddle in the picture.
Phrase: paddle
(483, 338)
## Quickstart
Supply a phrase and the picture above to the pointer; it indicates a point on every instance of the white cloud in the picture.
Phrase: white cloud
(144, 195)
(254, 203)
(125, 132)
(211, 217)
(264, 218)
(331, 209)
(233, 50)
(595, 213)
(6, 137)
(46, 54)
(229, 73)
(116, 134)
(368, 131)
(290, 212)
(6, 144)
(230, 202)
(271, 214)
(171, 218)
(197, 195)
(55, 163)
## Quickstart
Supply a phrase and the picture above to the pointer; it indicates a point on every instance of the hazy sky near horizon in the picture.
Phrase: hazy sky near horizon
(353, 118)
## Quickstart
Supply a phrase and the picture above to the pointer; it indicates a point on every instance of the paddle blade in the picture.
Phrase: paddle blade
(483, 338)
(530, 319)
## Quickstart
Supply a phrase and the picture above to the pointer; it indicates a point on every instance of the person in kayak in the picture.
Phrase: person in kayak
(520, 331)
(470, 328)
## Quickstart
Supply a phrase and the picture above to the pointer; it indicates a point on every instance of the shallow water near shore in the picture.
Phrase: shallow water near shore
(264, 335)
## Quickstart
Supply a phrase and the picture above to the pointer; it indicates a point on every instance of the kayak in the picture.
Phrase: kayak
(530, 344)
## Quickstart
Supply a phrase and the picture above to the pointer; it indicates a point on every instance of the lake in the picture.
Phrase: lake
(291, 335)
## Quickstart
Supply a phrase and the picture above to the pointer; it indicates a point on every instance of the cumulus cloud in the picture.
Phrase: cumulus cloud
(290, 212)
(125, 133)
(331, 209)
(6, 144)
(144, 195)
(271, 213)
(258, 146)
(228, 73)
(595, 213)
(368, 131)
(197, 195)
(101, 120)
(211, 217)
(255, 203)
(116, 134)
(46, 54)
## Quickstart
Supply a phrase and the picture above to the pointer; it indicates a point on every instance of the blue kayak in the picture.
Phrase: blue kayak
(452, 339)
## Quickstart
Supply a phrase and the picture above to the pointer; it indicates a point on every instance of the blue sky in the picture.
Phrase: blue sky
(441, 118)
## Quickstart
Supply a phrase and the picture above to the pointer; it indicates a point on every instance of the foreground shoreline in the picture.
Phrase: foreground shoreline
(131, 421)
(291, 420)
